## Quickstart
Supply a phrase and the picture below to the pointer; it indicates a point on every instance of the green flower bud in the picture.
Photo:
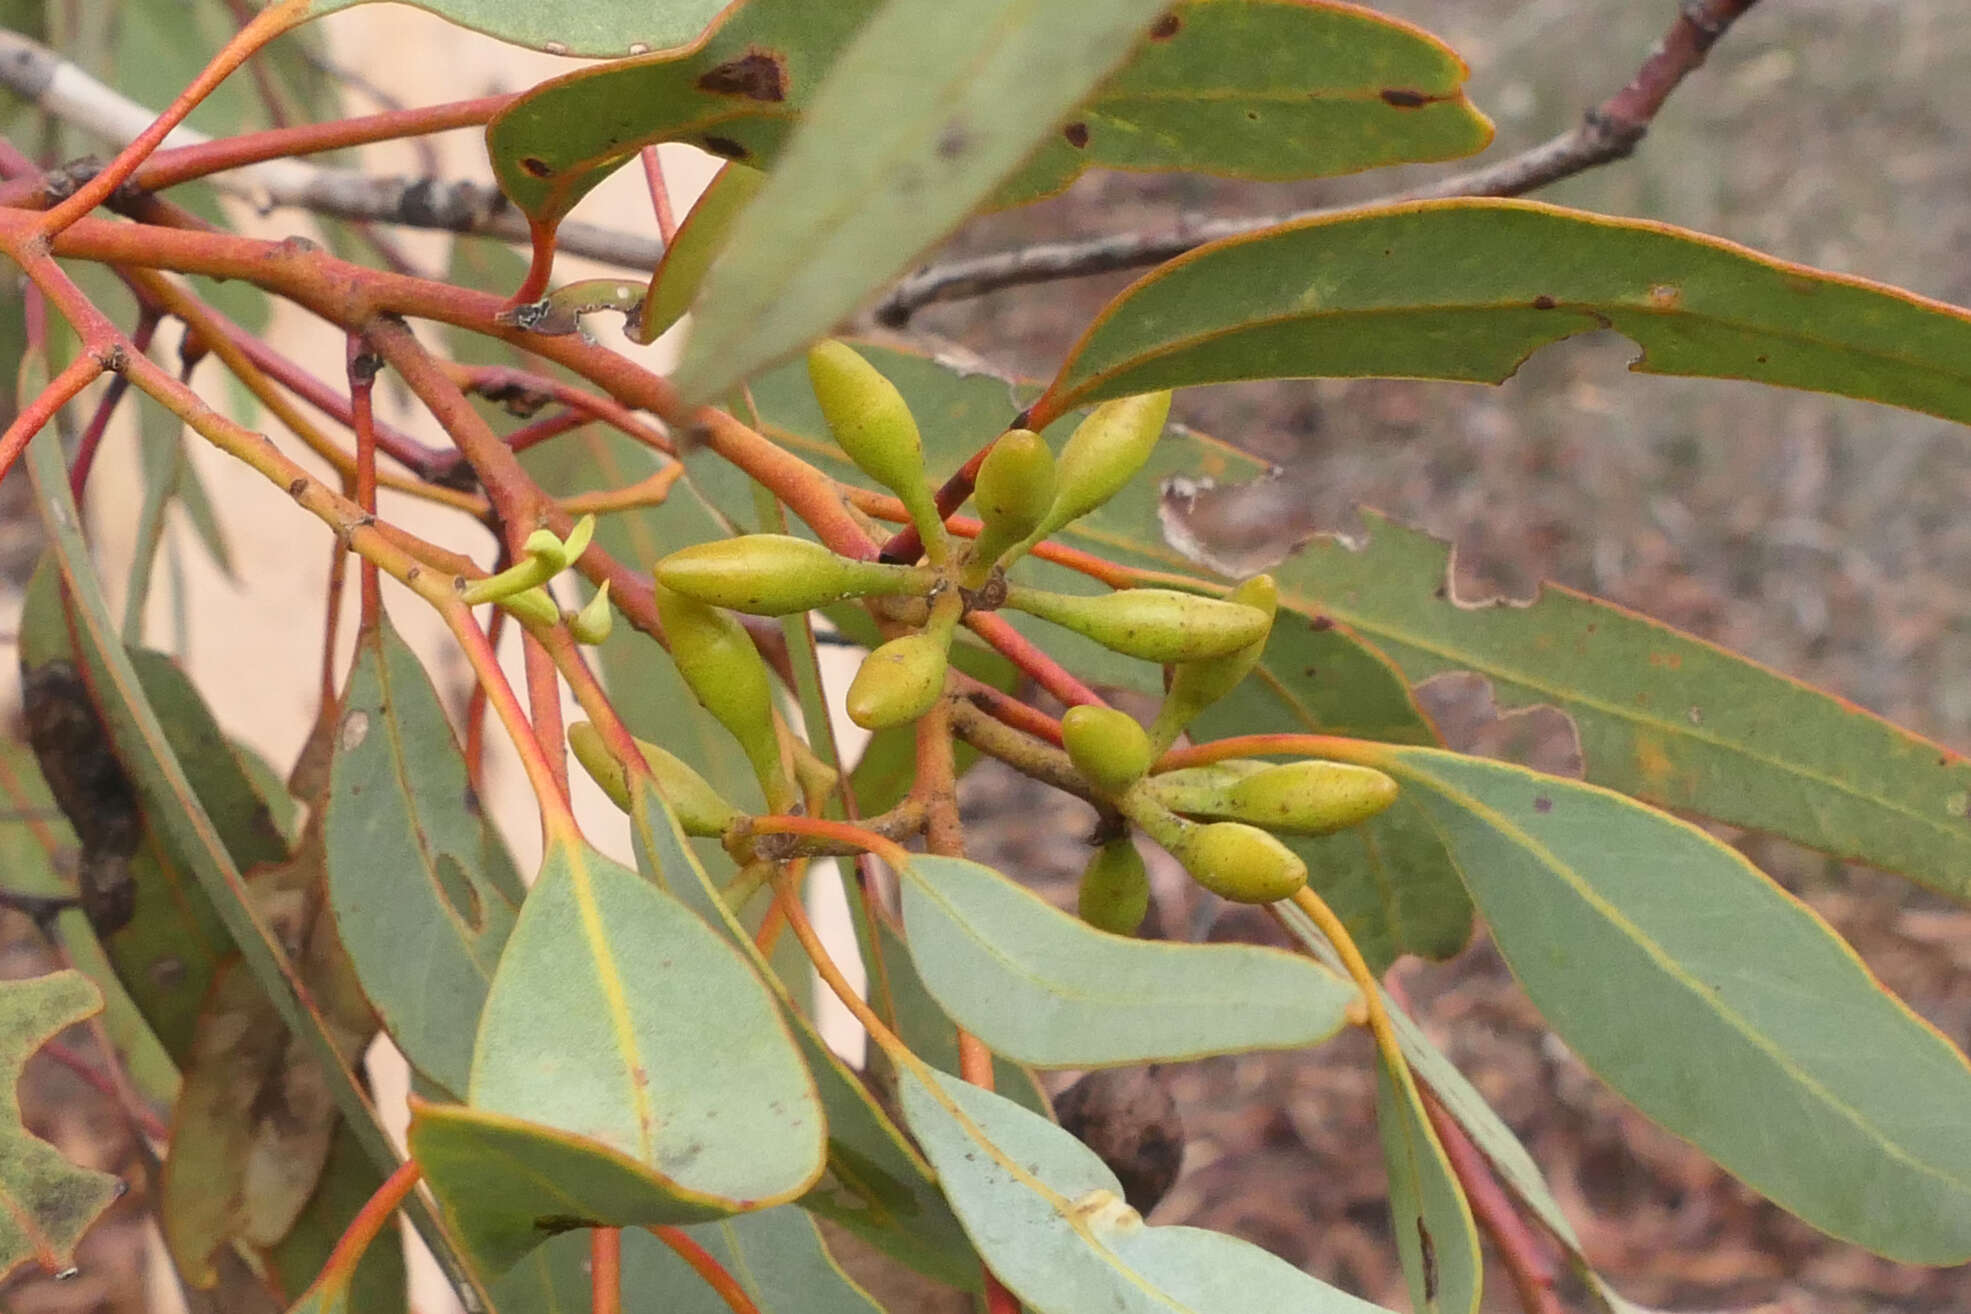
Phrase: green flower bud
(1013, 491)
(1115, 889)
(698, 807)
(1295, 798)
(1104, 453)
(1107, 746)
(899, 681)
(1195, 686)
(1239, 862)
(595, 620)
(1157, 625)
(774, 574)
(532, 606)
(726, 673)
(872, 424)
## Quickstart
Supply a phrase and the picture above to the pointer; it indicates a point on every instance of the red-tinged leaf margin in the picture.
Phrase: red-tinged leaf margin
(1551, 306)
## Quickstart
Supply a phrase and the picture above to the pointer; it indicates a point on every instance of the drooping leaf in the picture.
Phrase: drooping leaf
(877, 1185)
(867, 181)
(254, 1125)
(1255, 89)
(409, 875)
(602, 1079)
(1467, 289)
(1048, 1216)
(1045, 987)
(1715, 1002)
(699, 239)
(1435, 1238)
(46, 1202)
(568, 27)
(1663, 716)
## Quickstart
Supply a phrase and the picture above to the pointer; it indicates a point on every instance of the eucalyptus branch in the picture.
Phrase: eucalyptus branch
(62, 89)
(1610, 131)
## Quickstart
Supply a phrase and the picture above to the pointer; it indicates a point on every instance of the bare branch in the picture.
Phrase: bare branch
(61, 88)
(1609, 131)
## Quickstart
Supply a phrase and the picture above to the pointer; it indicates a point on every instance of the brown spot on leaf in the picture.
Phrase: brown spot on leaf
(1665, 296)
(1404, 98)
(1077, 135)
(952, 142)
(756, 75)
(536, 167)
(1321, 623)
(1166, 27)
(726, 147)
(1543, 804)
(1544, 302)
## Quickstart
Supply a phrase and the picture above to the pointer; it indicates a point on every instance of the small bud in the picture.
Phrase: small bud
(775, 574)
(698, 807)
(1104, 453)
(1115, 889)
(717, 659)
(1195, 686)
(594, 621)
(899, 681)
(1239, 862)
(1107, 746)
(1295, 798)
(532, 606)
(1013, 491)
(1157, 625)
(873, 425)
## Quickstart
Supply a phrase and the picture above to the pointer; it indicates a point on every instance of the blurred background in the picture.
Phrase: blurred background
(1825, 538)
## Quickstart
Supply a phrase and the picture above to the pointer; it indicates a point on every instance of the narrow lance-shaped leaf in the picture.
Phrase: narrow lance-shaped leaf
(869, 180)
(1046, 988)
(46, 1202)
(1257, 89)
(1048, 1217)
(1714, 1001)
(1467, 289)
(1662, 715)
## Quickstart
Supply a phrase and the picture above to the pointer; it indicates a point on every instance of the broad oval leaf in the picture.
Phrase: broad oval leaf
(46, 1202)
(1048, 1216)
(411, 862)
(1718, 1004)
(1251, 89)
(597, 1030)
(962, 90)
(1467, 289)
(599, 28)
(1662, 715)
(877, 1185)
(1046, 988)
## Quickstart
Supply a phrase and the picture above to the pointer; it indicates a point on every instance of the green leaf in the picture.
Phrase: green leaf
(698, 241)
(601, 1075)
(1435, 1238)
(1467, 289)
(409, 862)
(347, 1182)
(1715, 1002)
(1046, 988)
(603, 29)
(877, 1185)
(776, 1256)
(1048, 1216)
(1661, 715)
(46, 1202)
(867, 181)
(1256, 89)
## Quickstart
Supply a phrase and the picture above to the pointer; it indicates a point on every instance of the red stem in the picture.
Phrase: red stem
(92, 436)
(61, 390)
(660, 195)
(842, 832)
(369, 1222)
(266, 25)
(1048, 673)
(906, 545)
(606, 1270)
(707, 1267)
(363, 366)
